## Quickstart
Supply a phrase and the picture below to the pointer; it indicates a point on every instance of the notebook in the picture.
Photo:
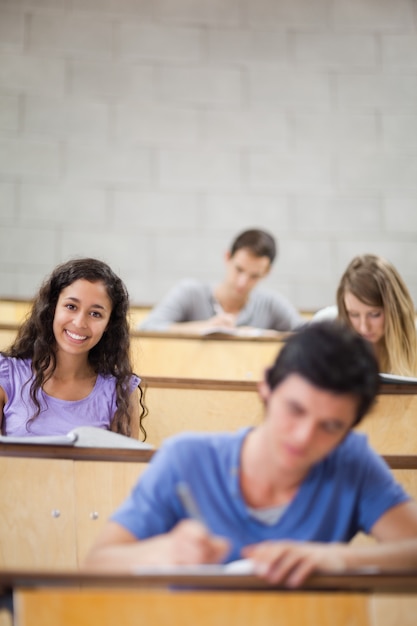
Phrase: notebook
(84, 437)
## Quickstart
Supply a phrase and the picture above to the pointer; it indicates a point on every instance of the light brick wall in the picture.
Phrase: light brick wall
(149, 132)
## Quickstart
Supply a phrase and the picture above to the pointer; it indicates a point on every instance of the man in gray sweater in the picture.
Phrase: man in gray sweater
(237, 304)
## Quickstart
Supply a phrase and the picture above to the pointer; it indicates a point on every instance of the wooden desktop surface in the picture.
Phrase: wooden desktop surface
(86, 600)
(395, 461)
(363, 581)
(43, 451)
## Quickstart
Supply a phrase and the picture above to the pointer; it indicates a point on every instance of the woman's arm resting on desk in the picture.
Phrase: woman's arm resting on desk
(188, 543)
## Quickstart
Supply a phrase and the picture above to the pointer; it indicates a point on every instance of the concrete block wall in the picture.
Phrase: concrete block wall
(149, 132)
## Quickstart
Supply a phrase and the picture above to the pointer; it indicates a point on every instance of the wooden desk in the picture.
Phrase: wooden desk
(137, 314)
(190, 356)
(14, 311)
(7, 335)
(54, 500)
(178, 404)
(391, 424)
(42, 599)
(40, 451)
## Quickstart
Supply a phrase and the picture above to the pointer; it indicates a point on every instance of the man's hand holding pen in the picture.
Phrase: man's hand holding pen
(190, 543)
(193, 541)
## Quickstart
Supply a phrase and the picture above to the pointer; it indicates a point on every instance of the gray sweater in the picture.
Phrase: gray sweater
(191, 300)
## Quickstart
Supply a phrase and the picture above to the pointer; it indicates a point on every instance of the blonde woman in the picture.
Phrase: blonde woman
(373, 299)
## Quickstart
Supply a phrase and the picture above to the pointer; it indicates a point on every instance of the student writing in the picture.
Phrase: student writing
(290, 493)
(236, 301)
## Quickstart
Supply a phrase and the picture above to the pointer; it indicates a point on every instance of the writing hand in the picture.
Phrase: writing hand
(226, 320)
(190, 543)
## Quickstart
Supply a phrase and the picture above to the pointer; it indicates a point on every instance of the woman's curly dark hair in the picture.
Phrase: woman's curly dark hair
(110, 356)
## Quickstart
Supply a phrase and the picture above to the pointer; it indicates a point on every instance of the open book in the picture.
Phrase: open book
(393, 378)
(84, 437)
(235, 331)
(241, 567)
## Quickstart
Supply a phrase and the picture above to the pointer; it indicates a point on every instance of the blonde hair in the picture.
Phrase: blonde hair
(376, 282)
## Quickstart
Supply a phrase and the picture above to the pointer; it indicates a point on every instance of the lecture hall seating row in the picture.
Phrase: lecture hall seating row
(81, 492)
(178, 404)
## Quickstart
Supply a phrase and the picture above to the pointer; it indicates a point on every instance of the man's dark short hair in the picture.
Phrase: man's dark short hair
(259, 242)
(331, 356)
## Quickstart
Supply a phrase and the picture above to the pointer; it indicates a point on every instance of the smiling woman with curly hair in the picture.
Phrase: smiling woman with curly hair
(69, 364)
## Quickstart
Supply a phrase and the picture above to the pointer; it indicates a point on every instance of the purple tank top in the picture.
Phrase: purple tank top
(57, 417)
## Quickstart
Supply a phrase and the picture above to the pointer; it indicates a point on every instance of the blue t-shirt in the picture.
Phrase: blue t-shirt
(346, 492)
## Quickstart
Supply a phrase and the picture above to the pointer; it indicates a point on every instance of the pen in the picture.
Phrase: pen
(218, 309)
(188, 502)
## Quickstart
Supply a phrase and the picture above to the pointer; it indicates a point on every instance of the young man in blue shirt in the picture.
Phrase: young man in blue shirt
(290, 493)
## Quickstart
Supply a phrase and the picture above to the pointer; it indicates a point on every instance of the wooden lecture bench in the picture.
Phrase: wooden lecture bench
(178, 404)
(8, 333)
(14, 310)
(54, 499)
(214, 356)
(181, 599)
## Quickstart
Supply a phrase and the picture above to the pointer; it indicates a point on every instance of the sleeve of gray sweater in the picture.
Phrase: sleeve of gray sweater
(189, 301)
